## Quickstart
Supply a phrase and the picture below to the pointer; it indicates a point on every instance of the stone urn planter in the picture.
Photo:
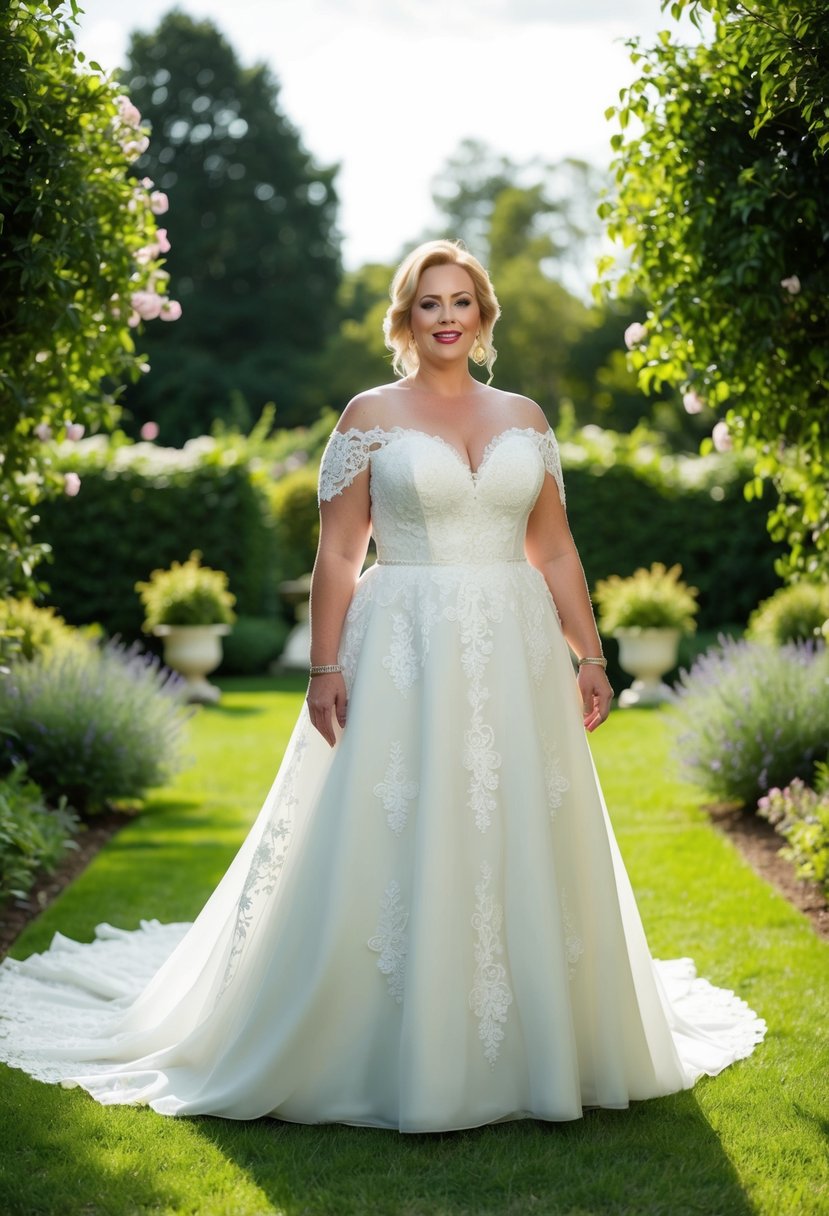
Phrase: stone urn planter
(194, 651)
(296, 655)
(647, 612)
(647, 654)
(190, 607)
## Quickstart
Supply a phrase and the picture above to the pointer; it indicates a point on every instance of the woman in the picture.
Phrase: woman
(429, 926)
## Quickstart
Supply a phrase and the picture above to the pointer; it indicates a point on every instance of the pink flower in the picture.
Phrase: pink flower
(43, 431)
(71, 484)
(147, 183)
(721, 437)
(147, 304)
(129, 114)
(135, 147)
(133, 319)
(159, 203)
(161, 241)
(149, 431)
(791, 284)
(635, 335)
(170, 310)
(147, 253)
(693, 403)
(74, 431)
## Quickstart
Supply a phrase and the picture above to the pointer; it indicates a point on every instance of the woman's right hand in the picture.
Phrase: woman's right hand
(327, 703)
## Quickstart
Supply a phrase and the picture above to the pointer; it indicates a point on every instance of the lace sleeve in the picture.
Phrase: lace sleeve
(346, 454)
(548, 446)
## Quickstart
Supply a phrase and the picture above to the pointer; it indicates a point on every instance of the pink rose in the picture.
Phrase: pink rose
(149, 431)
(74, 431)
(147, 304)
(721, 437)
(635, 334)
(135, 147)
(693, 403)
(170, 310)
(147, 253)
(71, 484)
(129, 114)
(791, 285)
(161, 241)
(159, 203)
(43, 431)
(133, 319)
(147, 183)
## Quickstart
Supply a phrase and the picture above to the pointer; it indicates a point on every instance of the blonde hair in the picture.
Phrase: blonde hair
(397, 322)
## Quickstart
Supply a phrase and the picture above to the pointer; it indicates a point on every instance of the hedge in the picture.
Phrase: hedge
(141, 506)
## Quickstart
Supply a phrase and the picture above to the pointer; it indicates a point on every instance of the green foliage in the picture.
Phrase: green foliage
(750, 717)
(254, 252)
(294, 504)
(33, 836)
(252, 645)
(92, 724)
(792, 614)
(78, 239)
(655, 598)
(28, 629)
(801, 816)
(187, 593)
(631, 503)
(141, 508)
(721, 180)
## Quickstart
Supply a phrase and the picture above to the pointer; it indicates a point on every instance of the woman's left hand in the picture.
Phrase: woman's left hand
(596, 695)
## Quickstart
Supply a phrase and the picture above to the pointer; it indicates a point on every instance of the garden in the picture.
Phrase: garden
(130, 769)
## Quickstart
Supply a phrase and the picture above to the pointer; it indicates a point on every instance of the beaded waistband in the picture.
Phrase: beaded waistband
(437, 561)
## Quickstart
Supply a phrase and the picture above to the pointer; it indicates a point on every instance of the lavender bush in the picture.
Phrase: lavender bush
(750, 716)
(93, 724)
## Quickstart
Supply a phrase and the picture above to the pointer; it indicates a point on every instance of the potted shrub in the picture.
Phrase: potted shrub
(191, 608)
(647, 613)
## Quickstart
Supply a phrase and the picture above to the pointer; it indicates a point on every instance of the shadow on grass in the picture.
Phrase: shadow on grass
(658, 1157)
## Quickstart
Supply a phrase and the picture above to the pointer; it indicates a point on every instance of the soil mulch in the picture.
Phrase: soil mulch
(760, 845)
(754, 837)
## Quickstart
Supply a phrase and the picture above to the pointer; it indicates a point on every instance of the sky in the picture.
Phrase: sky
(387, 89)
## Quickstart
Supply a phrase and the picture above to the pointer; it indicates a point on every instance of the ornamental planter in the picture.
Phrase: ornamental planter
(647, 654)
(194, 651)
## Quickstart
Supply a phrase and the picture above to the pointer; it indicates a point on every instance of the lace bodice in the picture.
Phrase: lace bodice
(428, 505)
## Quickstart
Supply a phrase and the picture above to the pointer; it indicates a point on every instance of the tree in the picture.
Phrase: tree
(80, 255)
(720, 202)
(254, 246)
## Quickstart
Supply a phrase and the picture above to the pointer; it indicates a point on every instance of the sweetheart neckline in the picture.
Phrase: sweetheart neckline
(491, 445)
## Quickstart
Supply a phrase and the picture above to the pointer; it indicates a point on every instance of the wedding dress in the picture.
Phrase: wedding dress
(429, 927)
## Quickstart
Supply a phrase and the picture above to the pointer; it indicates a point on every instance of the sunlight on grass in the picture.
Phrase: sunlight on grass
(748, 1143)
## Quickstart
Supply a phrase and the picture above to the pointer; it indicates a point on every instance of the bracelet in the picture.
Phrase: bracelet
(599, 662)
(326, 669)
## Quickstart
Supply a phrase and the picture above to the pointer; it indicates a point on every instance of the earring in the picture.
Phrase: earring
(478, 354)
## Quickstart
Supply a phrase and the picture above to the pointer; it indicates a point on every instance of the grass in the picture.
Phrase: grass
(751, 1142)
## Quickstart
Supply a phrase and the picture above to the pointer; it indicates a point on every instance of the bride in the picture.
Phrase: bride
(429, 926)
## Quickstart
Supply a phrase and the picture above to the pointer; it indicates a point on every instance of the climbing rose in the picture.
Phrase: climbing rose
(71, 484)
(149, 431)
(159, 203)
(146, 304)
(74, 430)
(693, 403)
(721, 437)
(791, 284)
(170, 310)
(635, 334)
(43, 431)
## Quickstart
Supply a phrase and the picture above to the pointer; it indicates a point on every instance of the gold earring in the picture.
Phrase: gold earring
(479, 352)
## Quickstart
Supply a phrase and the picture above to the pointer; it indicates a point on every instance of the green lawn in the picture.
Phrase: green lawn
(750, 1141)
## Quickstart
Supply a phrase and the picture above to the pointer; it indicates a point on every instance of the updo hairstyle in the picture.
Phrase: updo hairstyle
(397, 322)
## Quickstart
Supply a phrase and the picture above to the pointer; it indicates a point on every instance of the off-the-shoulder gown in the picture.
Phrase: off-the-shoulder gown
(429, 926)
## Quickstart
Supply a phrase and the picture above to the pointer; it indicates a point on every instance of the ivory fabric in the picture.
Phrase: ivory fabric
(429, 927)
